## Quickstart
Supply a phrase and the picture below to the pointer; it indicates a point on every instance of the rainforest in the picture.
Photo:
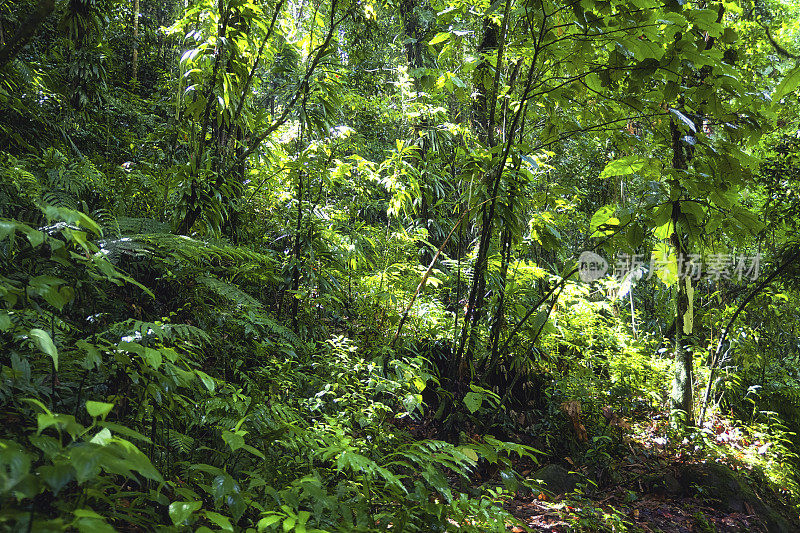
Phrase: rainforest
(324, 266)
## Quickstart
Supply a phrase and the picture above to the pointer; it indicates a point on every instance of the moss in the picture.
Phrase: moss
(732, 492)
(557, 479)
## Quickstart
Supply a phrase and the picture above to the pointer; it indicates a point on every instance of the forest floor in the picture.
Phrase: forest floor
(650, 486)
(649, 513)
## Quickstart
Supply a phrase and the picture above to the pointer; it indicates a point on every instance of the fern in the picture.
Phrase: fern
(165, 333)
(278, 330)
(114, 249)
(179, 441)
(58, 198)
(229, 292)
(19, 188)
(134, 226)
(178, 248)
(107, 221)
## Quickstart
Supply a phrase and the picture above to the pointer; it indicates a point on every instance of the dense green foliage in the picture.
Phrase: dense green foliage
(270, 266)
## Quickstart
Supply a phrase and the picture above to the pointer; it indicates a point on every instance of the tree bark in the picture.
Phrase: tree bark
(296, 251)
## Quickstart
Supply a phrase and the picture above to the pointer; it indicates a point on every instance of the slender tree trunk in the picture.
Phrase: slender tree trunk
(483, 81)
(506, 242)
(415, 46)
(193, 211)
(493, 177)
(135, 54)
(682, 383)
(482, 121)
(505, 252)
(682, 397)
(296, 252)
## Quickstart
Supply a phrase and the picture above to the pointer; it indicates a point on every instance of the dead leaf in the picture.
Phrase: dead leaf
(573, 410)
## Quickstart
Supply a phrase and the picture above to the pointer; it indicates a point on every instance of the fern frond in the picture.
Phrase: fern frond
(114, 249)
(276, 329)
(107, 221)
(179, 441)
(58, 198)
(178, 249)
(165, 333)
(229, 292)
(135, 226)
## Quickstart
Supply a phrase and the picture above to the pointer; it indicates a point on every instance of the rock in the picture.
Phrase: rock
(557, 479)
(661, 482)
(671, 484)
(718, 482)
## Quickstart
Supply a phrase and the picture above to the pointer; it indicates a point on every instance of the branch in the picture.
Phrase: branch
(718, 352)
(26, 31)
(220, 52)
(302, 89)
(544, 298)
(778, 48)
(533, 308)
(258, 58)
(427, 274)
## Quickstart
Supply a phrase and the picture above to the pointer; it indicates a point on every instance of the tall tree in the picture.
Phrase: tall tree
(135, 39)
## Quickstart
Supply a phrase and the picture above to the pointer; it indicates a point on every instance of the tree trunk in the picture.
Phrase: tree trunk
(682, 397)
(296, 251)
(505, 254)
(416, 43)
(483, 81)
(483, 121)
(682, 383)
(135, 53)
(26, 31)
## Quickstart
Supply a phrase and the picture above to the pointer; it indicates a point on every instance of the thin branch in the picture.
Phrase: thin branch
(26, 31)
(302, 89)
(258, 58)
(426, 275)
(718, 352)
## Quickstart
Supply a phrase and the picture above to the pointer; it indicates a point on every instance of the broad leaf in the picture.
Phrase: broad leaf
(180, 512)
(788, 84)
(45, 343)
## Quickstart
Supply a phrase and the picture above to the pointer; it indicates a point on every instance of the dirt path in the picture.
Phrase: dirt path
(649, 513)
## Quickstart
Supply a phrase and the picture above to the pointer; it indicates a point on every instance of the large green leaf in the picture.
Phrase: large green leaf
(473, 401)
(100, 409)
(623, 166)
(45, 343)
(179, 512)
(234, 440)
(223, 522)
(440, 38)
(788, 84)
(56, 476)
